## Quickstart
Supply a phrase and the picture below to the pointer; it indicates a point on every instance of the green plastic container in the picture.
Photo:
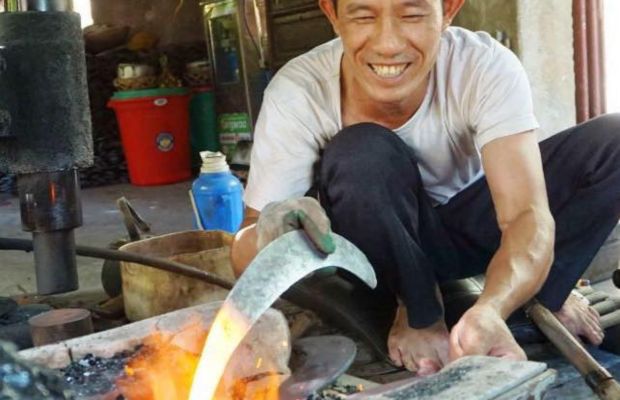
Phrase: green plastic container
(155, 92)
(203, 123)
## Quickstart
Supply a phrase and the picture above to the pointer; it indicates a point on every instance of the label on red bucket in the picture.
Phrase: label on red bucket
(165, 141)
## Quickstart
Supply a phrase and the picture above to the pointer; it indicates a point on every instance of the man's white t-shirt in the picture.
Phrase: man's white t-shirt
(478, 92)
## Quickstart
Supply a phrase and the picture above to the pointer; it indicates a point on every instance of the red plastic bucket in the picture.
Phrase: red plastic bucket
(154, 127)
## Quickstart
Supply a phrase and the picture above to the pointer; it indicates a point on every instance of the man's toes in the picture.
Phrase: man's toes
(600, 335)
(427, 367)
(594, 314)
(594, 333)
(395, 355)
(595, 322)
(600, 338)
(596, 338)
(410, 363)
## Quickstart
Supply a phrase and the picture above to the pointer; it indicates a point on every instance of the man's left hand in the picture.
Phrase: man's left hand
(482, 331)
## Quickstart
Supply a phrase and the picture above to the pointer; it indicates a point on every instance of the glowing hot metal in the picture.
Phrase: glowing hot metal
(275, 269)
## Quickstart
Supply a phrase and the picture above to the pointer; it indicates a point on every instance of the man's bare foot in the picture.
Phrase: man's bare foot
(581, 320)
(422, 351)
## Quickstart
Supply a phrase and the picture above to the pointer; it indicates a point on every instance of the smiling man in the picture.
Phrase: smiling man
(418, 140)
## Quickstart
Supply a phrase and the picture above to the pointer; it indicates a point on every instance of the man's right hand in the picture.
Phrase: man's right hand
(482, 331)
(306, 213)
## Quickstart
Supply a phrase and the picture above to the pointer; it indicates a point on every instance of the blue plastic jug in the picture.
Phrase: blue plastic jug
(217, 195)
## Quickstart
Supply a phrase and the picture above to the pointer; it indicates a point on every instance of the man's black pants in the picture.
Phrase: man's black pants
(369, 183)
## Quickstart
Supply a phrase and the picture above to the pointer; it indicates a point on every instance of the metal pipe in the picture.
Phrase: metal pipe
(55, 263)
(597, 377)
(115, 255)
(50, 209)
(50, 5)
(581, 60)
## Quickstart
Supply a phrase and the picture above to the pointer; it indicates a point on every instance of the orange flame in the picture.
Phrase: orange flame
(164, 368)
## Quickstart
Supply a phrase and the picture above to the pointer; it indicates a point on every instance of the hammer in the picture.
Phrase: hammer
(597, 377)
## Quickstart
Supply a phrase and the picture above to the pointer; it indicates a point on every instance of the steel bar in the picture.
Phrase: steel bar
(597, 377)
(159, 263)
(608, 306)
(611, 319)
(596, 297)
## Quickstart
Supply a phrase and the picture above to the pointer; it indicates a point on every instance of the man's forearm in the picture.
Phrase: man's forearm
(521, 264)
(243, 249)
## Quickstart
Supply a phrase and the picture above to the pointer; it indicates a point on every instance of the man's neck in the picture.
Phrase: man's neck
(357, 107)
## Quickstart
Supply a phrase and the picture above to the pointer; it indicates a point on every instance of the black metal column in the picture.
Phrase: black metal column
(45, 132)
(50, 209)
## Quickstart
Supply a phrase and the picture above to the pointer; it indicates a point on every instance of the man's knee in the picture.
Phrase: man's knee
(366, 153)
(604, 132)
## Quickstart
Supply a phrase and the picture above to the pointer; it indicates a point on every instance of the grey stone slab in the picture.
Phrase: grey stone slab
(534, 389)
(472, 378)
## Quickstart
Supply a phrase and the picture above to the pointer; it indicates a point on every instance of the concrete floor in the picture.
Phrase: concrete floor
(166, 208)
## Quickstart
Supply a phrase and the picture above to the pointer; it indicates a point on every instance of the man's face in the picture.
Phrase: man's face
(390, 46)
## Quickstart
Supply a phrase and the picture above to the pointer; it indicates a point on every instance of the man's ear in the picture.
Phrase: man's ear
(450, 9)
(330, 12)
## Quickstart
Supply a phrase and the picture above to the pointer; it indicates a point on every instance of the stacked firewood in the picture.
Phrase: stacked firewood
(109, 166)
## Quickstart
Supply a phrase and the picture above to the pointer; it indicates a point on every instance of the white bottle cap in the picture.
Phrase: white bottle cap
(213, 162)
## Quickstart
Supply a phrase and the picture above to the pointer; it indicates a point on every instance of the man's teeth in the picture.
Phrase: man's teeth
(388, 71)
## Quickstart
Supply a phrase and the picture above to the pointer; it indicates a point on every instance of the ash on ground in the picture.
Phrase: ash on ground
(91, 375)
(335, 392)
(21, 381)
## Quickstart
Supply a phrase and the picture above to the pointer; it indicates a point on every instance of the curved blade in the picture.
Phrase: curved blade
(286, 261)
(275, 269)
